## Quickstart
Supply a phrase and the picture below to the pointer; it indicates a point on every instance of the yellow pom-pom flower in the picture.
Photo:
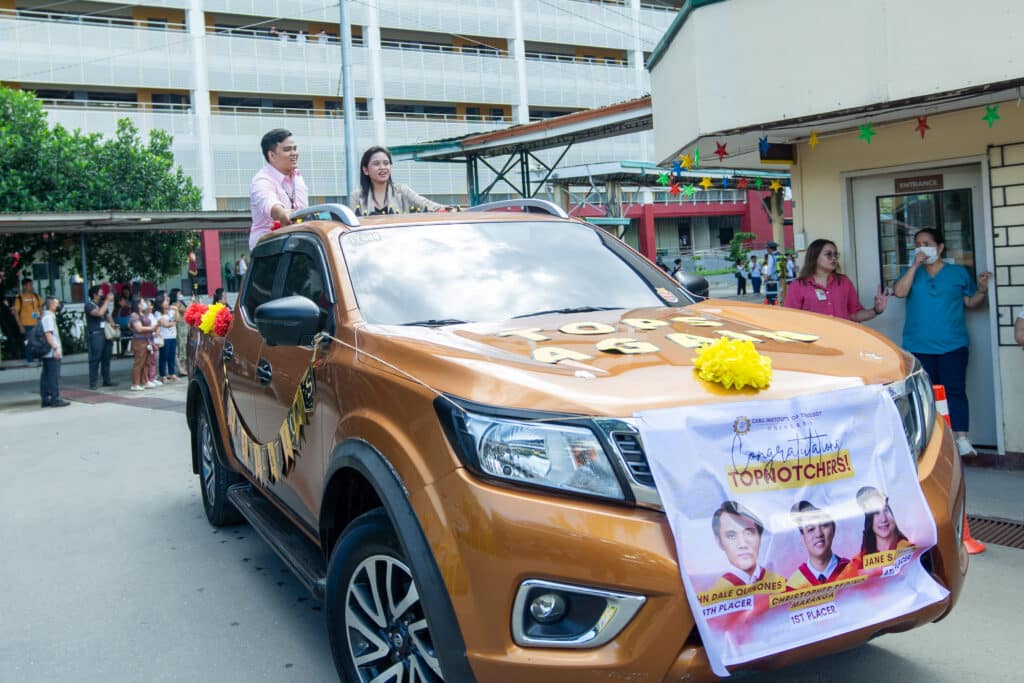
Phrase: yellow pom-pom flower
(209, 317)
(733, 363)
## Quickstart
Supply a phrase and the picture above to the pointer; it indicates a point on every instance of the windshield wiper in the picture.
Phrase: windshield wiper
(575, 309)
(437, 322)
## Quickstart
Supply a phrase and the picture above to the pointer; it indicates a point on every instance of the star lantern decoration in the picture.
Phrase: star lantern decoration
(696, 157)
(813, 141)
(673, 189)
(705, 182)
(725, 183)
(677, 169)
(662, 178)
(866, 133)
(922, 125)
(758, 183)
(720, 151)
(741, 184)
(689, 190)
(686, 161)
(762, 144)
(775, 186)
(991, 114)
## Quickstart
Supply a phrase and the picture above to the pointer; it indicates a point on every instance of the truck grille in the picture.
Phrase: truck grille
(632, 452)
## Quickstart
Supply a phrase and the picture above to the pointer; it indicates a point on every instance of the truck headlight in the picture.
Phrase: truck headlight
(915, 400)
(545, 454)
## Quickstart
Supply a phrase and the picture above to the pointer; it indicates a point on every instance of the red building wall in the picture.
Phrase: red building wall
(753, 217)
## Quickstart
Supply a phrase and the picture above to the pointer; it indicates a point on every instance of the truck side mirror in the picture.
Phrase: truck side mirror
(289, 321)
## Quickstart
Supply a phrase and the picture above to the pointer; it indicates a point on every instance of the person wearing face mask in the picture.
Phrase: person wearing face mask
(821, 288)
(277, 189)
(378, 195)
(935, 329)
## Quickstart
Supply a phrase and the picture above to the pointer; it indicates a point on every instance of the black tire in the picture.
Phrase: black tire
(214, 478)
(375, 618)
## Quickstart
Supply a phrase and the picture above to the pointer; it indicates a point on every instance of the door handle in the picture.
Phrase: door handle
(264, 372)
(229, 351)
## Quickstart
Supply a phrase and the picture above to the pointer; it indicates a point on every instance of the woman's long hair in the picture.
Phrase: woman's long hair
(811, 259)
(869, 542)
(364, 180)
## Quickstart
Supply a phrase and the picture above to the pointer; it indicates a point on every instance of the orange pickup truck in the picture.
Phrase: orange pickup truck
(430, 418)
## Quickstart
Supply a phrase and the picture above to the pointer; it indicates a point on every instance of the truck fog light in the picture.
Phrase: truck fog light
(553, 614)
(547, 608)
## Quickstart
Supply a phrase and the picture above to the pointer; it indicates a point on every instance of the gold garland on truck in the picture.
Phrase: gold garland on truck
(268, 462)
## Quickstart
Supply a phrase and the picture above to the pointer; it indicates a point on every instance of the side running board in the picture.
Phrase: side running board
(301, 556)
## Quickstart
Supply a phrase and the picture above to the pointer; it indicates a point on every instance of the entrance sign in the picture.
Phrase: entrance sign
(918, 183)
(794, 520)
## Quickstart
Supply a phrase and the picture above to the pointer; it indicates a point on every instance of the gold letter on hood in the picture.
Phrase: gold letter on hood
(689, 341)
(531, 333)
(553, 354)
(586, 328)
(626, 345)
(644, 323)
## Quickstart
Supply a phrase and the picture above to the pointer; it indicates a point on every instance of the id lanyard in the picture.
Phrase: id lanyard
(290, 195)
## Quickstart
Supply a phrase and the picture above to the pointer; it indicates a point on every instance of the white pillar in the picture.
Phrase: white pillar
(517, 48)
(201, 103)
(636, 57)
(371, 38)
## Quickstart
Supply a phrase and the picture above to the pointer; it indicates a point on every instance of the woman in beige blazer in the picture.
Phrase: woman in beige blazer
(378, 195)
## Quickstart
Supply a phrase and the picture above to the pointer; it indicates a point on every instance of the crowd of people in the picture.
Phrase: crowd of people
(146, 328)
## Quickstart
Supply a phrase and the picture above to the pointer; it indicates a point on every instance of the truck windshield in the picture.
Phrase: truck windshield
(474, 272)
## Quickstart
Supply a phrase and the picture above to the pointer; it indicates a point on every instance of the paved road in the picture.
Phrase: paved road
(109, 572)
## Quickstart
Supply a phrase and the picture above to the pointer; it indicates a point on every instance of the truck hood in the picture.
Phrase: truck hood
(493, 363)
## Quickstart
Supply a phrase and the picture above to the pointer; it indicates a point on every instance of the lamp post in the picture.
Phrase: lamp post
(348, 100)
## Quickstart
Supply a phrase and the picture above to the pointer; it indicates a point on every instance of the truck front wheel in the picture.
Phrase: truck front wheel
(375, 619)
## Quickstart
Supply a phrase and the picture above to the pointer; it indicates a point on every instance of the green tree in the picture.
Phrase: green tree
(54, 169)
(738, 246)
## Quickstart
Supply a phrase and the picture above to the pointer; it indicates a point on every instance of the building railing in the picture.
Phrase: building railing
(662, 5)
(58, 103)
(535, 55)
(282, 111)
(665, 5)
(424, 116)
(90, 20)
(663, 196)
(478, 50)
(265, 34)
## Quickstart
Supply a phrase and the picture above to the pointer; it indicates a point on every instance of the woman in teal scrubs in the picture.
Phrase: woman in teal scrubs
(935, 329)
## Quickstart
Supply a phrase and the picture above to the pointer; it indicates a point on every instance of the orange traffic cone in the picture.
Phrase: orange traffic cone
(973, 545)
(941, 405)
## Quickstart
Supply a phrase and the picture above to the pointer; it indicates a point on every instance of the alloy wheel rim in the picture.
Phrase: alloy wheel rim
(387, 631)
(206, 456)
